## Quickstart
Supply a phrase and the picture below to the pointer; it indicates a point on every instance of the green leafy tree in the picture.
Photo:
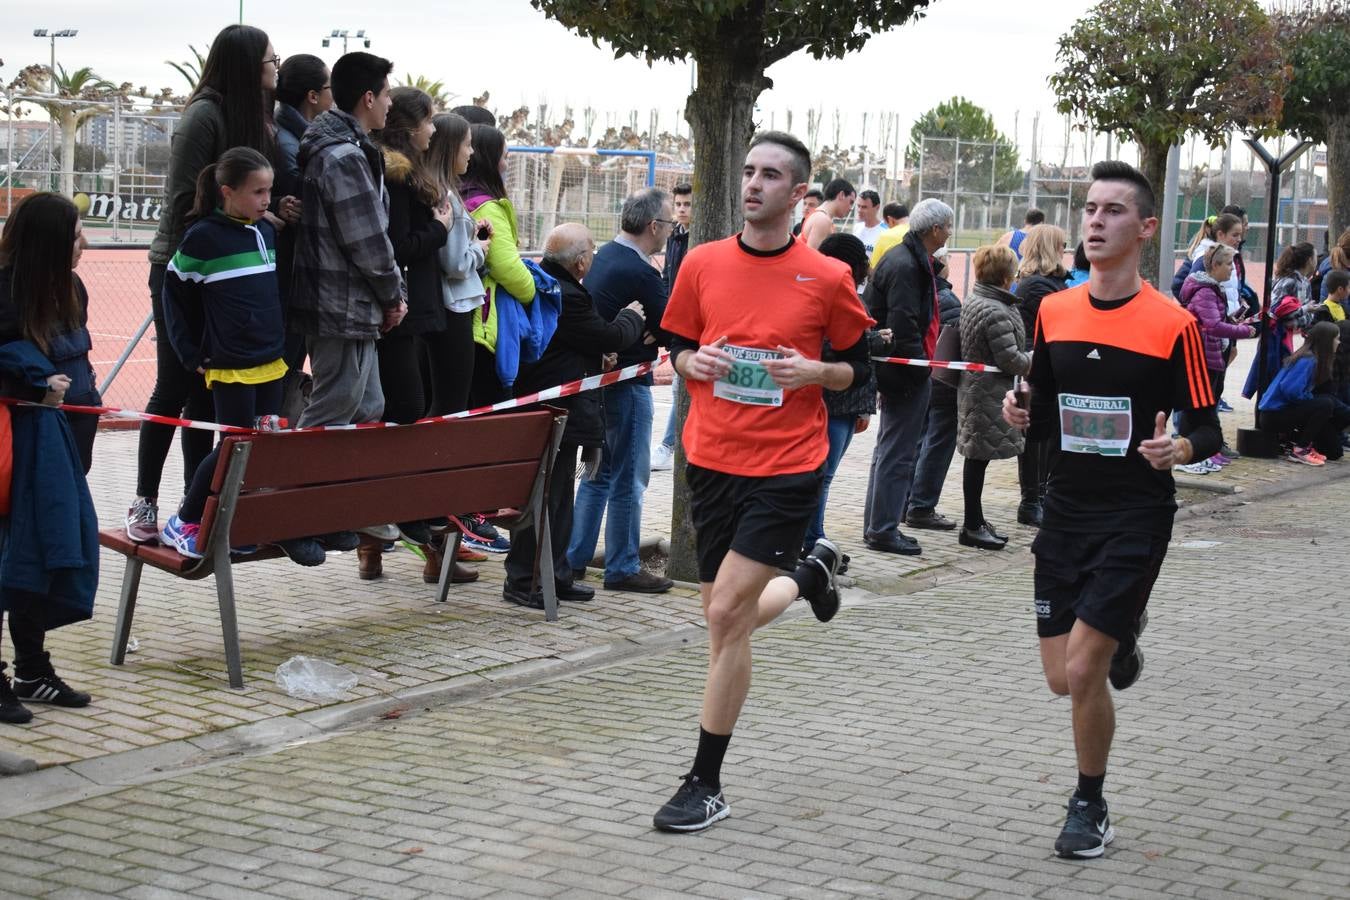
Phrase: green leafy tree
(191, 69)
(433, 89)
(989, 157)
(71, 99)
(1314, 38)
(732, 42)
(1155, 71)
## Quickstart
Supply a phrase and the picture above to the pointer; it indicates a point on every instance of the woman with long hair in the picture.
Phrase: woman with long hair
(464, 253)
(44, 358)
(231, 107)
(991, 333)
(484, 193)
(1338, 258)
(1040, 274)
(1300, 402)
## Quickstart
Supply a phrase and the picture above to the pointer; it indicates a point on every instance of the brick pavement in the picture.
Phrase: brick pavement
(173, 687)
(907, 749)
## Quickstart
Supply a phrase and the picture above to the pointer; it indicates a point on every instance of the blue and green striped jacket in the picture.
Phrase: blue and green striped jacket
(222, 306)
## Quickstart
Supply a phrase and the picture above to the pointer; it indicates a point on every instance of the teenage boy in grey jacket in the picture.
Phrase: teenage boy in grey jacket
(347, 289)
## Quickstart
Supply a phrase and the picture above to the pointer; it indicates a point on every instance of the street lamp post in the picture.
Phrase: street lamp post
(52, 35)
(344, 35)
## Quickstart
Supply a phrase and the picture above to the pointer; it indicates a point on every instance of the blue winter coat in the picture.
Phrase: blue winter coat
(49, 564)
(524, 330)
(1290, 385)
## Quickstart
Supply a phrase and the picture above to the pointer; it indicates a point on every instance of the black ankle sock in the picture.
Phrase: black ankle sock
(708, 761)
(1090, 786)
(810, 579)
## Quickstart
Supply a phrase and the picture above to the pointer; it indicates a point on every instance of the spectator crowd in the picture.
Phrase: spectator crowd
(334, 251)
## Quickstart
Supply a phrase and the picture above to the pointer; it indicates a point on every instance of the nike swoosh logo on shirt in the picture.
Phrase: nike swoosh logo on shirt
(804, 278)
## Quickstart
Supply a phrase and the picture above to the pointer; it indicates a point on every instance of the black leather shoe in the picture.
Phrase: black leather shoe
(532, 600)
(997, 536)
(896, 543)
(930, 519)
(574, 593)
(981, 538)
(1029, 513)
(641, 582)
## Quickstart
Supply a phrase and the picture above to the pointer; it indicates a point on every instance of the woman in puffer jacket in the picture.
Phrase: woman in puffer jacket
(992, 333)
(1204, 295)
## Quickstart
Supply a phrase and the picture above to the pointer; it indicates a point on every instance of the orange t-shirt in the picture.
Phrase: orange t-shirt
(796, 299)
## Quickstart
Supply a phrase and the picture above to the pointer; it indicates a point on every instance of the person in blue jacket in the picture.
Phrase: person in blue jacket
(49, 533)
(222, 307)
(1301, 401)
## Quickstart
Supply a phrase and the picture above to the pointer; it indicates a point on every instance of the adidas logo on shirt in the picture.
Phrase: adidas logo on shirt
(1093, 354)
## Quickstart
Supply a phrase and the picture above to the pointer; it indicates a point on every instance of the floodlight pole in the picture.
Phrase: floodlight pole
(1275, 167)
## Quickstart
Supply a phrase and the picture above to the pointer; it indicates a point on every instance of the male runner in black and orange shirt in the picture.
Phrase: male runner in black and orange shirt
(749, 315)
(1112, 359)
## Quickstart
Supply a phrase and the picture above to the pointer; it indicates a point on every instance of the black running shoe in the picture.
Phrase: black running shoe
(826, 557)
(694, 807)
(49, 688)
(1087, 830)
(1127, 665)
(12, 712)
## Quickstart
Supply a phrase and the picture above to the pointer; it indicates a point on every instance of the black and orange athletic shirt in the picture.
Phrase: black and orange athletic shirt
(1101, 371)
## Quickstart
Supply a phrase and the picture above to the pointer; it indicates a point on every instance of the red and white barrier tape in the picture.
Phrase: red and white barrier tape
(939, 364)
(589, 383)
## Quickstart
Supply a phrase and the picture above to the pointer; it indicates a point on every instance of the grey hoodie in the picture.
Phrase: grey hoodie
(346, 275)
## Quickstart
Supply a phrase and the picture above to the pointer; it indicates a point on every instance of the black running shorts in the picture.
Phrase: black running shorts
(764, 519)
(1103, 579)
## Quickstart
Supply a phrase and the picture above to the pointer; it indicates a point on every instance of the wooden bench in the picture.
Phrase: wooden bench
(273, 487)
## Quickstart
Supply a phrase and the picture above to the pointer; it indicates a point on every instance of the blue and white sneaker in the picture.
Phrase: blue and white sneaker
(181, 536)
(479, 533)
(1223, 406)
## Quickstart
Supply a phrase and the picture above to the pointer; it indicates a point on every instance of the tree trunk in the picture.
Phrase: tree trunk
(720, 115)
(1153, 163)
(1338, 174)
(69, 124)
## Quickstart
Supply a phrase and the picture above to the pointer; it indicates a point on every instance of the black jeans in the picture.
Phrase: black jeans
(1316, 422)
(405, 400)
(236, 404)
(520, 558)
(1033, 469)
(177, 392)
(450, 363)
(30, 659)
(485, 387)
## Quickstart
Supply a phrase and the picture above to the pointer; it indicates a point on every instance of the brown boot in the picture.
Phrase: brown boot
(431, 569)
(368, 557)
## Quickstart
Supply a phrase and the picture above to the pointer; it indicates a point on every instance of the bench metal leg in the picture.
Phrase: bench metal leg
(448, 554)
(229, 625)
(546, 576)
(126, 609)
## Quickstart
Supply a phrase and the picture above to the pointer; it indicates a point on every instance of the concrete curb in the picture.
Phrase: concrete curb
(33, 790)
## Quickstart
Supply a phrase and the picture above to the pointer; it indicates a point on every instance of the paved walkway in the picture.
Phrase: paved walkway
(909, 748)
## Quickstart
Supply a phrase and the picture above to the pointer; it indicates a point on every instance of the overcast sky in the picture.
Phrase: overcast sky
(995, 53)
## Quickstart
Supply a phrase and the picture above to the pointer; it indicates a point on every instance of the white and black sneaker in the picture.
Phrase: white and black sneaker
(1087, 830)
(826, 557)
(695, 806)
(1127, 665)
(51, 689)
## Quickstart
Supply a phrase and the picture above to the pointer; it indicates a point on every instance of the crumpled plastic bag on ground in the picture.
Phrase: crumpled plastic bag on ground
(314, 679)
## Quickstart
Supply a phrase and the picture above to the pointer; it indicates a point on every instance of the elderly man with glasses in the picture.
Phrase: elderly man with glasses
(902, 296)
(623, 271)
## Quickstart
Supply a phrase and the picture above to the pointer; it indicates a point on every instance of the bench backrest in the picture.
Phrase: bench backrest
(310, 483)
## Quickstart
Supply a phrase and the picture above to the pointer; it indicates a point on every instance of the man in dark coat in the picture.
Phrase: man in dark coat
(582, 337)
(902, 296)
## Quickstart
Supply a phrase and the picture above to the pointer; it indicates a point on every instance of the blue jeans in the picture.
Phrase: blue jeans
(893, 460)
(625, 467)
(840, 431)
(935, 453)
(669, 439)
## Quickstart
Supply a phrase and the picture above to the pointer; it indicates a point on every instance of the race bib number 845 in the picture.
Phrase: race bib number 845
(1100, 425)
